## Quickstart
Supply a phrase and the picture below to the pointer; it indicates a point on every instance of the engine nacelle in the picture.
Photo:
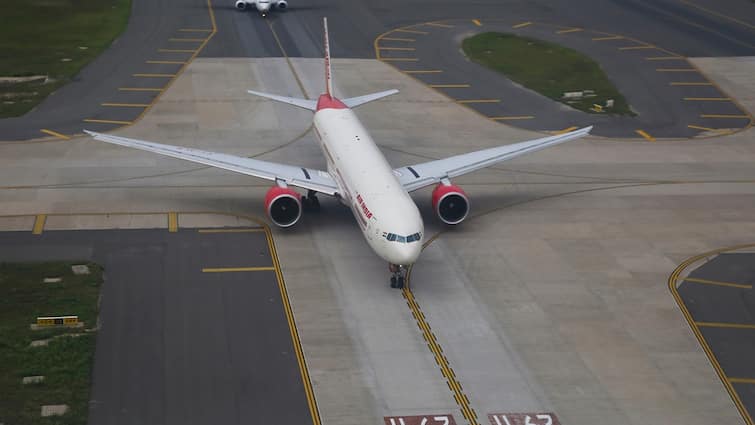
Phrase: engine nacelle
(241, 5)
(283, 206)
(281, 4)
(450, 203)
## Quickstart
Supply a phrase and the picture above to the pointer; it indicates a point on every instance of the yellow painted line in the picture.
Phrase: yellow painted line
(154, 75)
(697, 127)
(664, 58)
(176, 51)
(519, 117)
(187, 40)
(704, 99)
(194, 30)
(676, 69)
(252, 230)
(296, 341)
(643, 47)
(612, 37)
(725, 325)
(440, 359)
(39, 224)
(397, 48)
(724, 116)
(412, 31)
(449, 86)
(477, 22)
(398, 39)
(107, 121)
(684, 83)
(126, 105)
(423, 71)
(237, 269)
(718, 283)
(644, 134)
(720, 15)
(465, 101)
(570, 30)
(399, 59)
(742, 380)
(55, 133)
(672, 282)
(172, 222)
(139, 89)
(566, 130)
(167, 62)
(522, 25)
(436, 24)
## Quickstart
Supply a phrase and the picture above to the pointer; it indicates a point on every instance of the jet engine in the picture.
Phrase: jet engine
(450, 203)
(281, 4)
(241, 5)
(283, 206)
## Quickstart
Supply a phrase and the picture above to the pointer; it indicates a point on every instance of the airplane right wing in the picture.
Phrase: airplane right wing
(319, 181)
(417, 176)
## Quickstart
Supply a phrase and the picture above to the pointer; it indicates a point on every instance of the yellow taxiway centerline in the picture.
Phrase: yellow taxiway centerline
(522, 25)
(645, 135)
(718, 283)
(726, 325)
(237, 269)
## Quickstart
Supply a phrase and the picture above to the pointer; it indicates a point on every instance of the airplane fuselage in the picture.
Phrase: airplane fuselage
(386, 214)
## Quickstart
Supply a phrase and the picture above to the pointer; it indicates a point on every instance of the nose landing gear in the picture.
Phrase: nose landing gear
(399, 275)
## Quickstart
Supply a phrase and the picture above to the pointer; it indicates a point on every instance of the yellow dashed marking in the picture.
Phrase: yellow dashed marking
(643, 47)
(644, 134)
(39, 224)
(742, 380)
(398, 39)
(724, 116)
(176, 51)
(107, 121)
(187, 40)
(166, 62)
(522, 25)
(664, 58)
(237, 269)
(172, 222)
(477, 22)
(712, 99)
(717, 282)
(725, 325)
(465, 101)
(252, 230)
(676, 70)
(436, 24)
(612, 37)
(126, 105)
(520, 117)
(412, 31)
(566, 130)
(449, 86)
(55, 133)
(397, 48)
(684, 83)
(720, 130)
(570, 30)
(194, 30)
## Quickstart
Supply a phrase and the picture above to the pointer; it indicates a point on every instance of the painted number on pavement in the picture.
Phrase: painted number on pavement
(523, 419)
(420, 420)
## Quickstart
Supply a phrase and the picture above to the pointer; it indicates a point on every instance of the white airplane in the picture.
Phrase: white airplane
(263, 6)
(358, 175)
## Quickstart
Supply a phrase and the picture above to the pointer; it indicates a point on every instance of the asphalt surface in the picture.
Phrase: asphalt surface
(176, 345)
(697, 28)
(725, 315)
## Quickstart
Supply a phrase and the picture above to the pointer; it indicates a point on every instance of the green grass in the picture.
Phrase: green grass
(37, 35)
(66, 362)
(546, 68)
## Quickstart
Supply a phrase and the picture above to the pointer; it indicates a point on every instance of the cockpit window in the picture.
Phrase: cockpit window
(402, 239)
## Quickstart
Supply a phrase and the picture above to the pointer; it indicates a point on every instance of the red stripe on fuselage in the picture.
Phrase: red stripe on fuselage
(326, 101)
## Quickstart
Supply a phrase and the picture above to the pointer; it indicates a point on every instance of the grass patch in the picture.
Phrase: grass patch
(546, 68)
(66, 362)
(54, 38)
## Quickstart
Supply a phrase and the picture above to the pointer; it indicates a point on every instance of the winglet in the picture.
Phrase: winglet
(328, 82)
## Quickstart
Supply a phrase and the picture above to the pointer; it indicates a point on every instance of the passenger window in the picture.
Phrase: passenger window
(391, 237)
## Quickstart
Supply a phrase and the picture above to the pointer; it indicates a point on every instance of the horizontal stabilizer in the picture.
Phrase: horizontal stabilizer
(302, 103)
(353, 102)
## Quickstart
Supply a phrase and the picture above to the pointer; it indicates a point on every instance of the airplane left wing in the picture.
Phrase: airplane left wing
(417, 176)
(305, 178)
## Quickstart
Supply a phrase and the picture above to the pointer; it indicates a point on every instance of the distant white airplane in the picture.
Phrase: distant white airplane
(263, 6)
(358, 175)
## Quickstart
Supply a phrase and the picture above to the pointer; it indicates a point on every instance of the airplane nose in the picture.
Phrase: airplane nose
(407, 254)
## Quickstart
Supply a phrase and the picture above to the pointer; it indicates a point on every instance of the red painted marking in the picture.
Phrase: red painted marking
(523, 419)
(364, 206)
(442, 419)
(326, 101)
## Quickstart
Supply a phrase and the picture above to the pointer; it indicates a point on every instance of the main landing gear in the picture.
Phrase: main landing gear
(310, 202)
(399, 275)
